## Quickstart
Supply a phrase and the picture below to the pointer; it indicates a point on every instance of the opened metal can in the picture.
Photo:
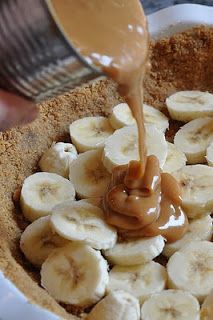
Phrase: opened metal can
(36, 60)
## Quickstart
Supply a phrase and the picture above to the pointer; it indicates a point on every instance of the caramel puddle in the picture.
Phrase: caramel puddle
(145, 205)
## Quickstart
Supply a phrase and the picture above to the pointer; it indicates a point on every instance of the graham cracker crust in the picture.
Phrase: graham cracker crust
(182, 62)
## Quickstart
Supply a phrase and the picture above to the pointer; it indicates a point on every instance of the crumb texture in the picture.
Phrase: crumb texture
(182, 62)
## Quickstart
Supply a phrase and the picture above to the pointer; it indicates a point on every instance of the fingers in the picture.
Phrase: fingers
(15, 110)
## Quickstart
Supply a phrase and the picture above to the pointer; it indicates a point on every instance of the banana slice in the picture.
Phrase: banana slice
(188, 105)
(90, 133)
(122, 146)
(209, 155)
(191, 269)
(75, 220)
(175, 159)
(155, 117)
(39, 239)
(41, 192)
(194, 138)
(198, 229)
(197, 189)
(141, 281)
(75, 274)
(122, 116)
(88, 174)
(94, 201)
(207, 308)
(117, 305)
(135, 251)
(57, 158)
(171, 305)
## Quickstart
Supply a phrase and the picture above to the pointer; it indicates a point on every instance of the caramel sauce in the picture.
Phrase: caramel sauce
(143, 205)
(113, 35)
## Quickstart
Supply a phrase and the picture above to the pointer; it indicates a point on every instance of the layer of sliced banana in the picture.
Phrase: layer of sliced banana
(90, 133)
(75, 274)
(122, 146)
(141, 281)
(188, 105)
(118, 305)
(58, 158)
(194, 138)
(41, 192)
(199, 229)
(171, 305)
(68, 234)
(196, 182)
(88, 175)
(81, 221)
(134, 252)
(122, 116)
(191, 269)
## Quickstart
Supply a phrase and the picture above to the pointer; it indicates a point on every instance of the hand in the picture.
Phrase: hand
(15, 110)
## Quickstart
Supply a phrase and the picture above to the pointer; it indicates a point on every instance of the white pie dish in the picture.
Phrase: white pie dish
(13, 304)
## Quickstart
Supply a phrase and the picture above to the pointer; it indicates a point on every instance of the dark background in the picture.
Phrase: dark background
(154, 5)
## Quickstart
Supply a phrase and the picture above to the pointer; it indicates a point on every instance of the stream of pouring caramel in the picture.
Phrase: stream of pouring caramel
(113, 35)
